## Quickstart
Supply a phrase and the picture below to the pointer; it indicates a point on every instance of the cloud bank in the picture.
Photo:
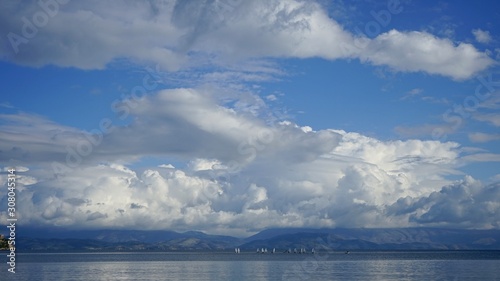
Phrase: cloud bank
(229, 164)
(238, 173)
(185, 34)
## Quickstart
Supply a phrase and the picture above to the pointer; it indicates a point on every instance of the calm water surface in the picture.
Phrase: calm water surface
(425, 265)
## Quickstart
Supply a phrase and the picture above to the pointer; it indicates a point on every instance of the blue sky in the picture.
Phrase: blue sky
(232, 116)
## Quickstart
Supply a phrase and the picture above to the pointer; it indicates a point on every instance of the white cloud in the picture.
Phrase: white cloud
(19, 132)
(467, 203)
(420, 51)
(18, 169)
(184, 34)
(358, 195)
(244, 169)
(482, 36)
(116, 30)
(495, 178)
(405, 161)
(271, 98)
(166, 166)
(483, 137)
(493, 118)
(186, 123)
(491, 99)
(482, 157)
(412, 93)
(241, 174)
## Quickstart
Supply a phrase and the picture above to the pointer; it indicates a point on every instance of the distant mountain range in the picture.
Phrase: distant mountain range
(30, 239)
(121, 240)
(377, 239)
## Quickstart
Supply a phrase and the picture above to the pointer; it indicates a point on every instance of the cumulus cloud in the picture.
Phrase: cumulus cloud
(482, 36)
(466, 203)
(420, 51)
(181, 34)
(238, 172)
(271, 98)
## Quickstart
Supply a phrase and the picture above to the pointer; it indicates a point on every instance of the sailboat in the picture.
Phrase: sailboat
(237, 250)
(312, 251)
(274, 250)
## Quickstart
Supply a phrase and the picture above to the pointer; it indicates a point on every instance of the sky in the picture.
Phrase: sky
(232, 116)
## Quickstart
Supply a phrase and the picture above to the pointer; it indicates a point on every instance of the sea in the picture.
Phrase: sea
(333, 265)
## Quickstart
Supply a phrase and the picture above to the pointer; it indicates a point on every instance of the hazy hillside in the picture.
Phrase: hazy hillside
(372, 239)
(281, 239)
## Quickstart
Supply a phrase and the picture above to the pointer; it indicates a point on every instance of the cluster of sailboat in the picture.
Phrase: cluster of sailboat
(273, 251)
(264, 251)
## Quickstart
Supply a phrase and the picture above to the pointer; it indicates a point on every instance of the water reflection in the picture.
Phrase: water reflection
(368, 266)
